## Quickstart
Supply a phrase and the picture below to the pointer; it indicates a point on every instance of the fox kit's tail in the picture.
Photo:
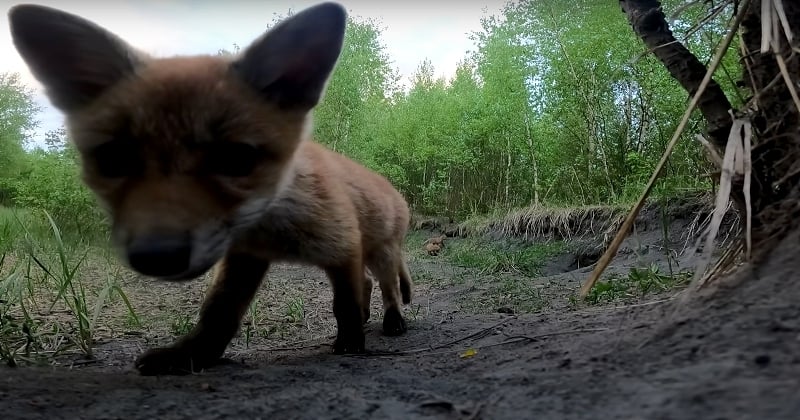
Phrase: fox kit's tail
(405, 283)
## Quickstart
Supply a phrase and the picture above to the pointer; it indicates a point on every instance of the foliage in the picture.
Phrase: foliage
(52, 183)
(554, 106)
(502, 258)
(639, 283)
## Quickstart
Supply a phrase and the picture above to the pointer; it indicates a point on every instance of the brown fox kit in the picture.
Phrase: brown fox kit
(434, 245)
(204, 161)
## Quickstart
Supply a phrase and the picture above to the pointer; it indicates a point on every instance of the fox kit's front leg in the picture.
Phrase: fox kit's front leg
(236, 280)
(348, 305)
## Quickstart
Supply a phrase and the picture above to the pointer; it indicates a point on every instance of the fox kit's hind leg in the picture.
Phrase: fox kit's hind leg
(348, 282)
(236, 280)
(385, 264)
(406, 283)
(367, 293)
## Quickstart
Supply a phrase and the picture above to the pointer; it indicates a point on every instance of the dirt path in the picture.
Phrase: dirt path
(736, 356)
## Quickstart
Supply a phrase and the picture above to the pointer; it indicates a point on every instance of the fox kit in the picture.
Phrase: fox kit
(205, 161)
(434, 245)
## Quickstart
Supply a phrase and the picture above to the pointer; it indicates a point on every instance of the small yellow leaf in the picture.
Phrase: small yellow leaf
(468, 353)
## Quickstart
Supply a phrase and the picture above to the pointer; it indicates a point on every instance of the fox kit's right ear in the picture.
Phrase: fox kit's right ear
(75, 59)
(291, 63)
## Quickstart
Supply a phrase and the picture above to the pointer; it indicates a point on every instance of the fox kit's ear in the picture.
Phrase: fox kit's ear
(291, 63)
(74, 59)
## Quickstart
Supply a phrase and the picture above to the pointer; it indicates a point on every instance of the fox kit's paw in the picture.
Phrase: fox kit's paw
(172, 361)
(349, 341)
(393, 322)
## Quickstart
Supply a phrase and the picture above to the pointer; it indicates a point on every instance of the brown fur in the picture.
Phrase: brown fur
(434, 245)
(433, 249)
(204, 161)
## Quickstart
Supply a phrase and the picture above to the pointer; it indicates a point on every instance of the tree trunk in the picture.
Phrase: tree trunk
(508, 168)
(649, 23)
(533, 160)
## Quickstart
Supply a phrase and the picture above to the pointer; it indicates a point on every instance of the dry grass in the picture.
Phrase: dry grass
(547, 223)
(600, 222)
(735, 163)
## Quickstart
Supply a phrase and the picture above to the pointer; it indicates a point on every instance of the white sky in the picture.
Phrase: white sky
(413, 30)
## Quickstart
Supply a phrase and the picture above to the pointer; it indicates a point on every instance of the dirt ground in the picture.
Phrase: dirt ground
(730, 354)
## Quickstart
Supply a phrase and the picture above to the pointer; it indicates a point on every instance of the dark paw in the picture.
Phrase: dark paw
(171, 361)
(393, 323)
(349, 342)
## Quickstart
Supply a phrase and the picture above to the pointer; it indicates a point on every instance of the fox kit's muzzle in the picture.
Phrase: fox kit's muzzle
(160, 255)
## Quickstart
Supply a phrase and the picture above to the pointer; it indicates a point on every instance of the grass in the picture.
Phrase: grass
(41, 273)
(295, 310)
(501, 258)
(181, 325)
(493, 274)
(638, 283)
(506, 274)
(504, 294)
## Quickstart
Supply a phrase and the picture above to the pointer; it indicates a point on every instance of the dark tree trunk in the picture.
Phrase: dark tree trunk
(649, 23)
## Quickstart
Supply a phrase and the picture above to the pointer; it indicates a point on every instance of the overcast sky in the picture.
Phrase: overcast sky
(413, 30)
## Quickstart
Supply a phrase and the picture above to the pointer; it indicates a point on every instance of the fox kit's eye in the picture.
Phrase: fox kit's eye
(233, 159)
(116, 159)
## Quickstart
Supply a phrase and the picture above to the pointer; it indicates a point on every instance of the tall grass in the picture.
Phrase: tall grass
(41, 270)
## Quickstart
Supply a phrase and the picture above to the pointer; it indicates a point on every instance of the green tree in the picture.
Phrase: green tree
(363, 79)
(52, 183)
(17, 119)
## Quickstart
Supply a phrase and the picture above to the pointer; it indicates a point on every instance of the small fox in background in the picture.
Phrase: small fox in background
(434, 245)
(205, 161)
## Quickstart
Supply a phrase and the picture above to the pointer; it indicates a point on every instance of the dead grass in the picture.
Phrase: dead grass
(546, 222)
(538, 223)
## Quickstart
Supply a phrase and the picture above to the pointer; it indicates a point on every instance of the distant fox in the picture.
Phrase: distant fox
(434, 245)
(207, 161)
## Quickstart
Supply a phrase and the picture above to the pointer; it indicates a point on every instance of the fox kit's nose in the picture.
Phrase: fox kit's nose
(160, 256)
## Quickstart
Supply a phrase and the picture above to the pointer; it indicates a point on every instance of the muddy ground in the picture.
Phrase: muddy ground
(729, 352)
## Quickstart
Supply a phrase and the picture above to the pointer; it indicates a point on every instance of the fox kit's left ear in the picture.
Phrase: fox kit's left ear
(76, 60)
(291, 63)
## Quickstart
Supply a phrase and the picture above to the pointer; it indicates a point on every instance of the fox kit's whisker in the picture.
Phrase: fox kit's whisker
(207, 161)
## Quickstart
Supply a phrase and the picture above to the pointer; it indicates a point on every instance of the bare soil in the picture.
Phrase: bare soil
(728, 352)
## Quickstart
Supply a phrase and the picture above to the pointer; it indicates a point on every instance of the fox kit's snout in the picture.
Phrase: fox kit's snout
(205, 160)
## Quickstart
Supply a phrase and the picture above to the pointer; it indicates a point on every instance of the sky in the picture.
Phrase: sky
(412, 30)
